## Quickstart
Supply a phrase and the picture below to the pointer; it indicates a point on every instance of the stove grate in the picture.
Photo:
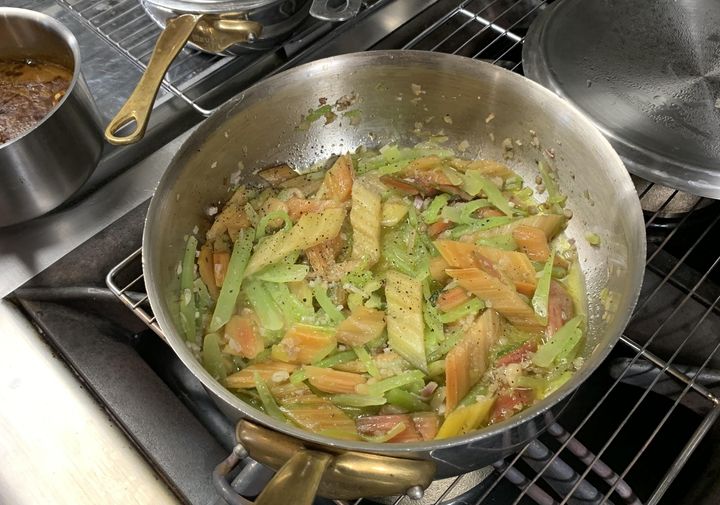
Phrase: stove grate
(125, 26)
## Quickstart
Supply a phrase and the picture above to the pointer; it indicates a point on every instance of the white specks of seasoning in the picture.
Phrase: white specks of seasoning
(518, 142)
(418, 125)
(463, 146)
(416, 89)
(213, 164)
(197, 253)
(280, 376)
(492, 136)
(211, 211)
(447, 118)
(195, 230)
(227, 135)
(192, 346)
(428, 119)
(490, 117)
(178, 270)
(508, 153)
(235, 176)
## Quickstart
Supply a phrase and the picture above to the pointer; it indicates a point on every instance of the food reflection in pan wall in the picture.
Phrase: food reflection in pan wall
(405, 294)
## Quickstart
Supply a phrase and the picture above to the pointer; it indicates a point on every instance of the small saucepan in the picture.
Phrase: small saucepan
(214, 26)
(43, 165)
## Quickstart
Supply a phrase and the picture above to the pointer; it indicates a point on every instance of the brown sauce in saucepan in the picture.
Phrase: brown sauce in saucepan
(29, 89)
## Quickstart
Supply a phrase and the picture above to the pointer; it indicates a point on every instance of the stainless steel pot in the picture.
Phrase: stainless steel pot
(215, 26)
(499, 114)
(43, 167)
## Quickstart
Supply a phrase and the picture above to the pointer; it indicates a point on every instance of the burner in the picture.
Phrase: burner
(655, 198)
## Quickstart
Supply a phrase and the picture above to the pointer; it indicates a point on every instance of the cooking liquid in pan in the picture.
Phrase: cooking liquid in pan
(29, 89)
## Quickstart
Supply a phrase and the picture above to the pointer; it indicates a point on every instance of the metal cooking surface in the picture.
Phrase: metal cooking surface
(647, 72)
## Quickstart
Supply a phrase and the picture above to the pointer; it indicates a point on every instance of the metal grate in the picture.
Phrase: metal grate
(130, 31)
(677, 313)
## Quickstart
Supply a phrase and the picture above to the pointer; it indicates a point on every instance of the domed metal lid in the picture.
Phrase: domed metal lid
(647, 73)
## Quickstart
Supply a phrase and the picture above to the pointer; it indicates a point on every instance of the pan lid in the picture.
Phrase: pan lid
(647, 73)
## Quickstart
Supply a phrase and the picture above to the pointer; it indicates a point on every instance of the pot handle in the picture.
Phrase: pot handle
(138, 106)
(303, 472)
(321, 9)
(299, 477)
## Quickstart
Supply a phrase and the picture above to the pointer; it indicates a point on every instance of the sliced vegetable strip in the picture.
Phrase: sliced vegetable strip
(243, 336)
(304, 344)
(206, 269)
(465, 419)
(187, 299)
(312, 412)
(333, 381)
(467, 361)
(532, 241)
(362, 326)
(542, 292)
(405, 318)
(365, 218)
(497, 295)
(233, 280)
(270, 371)
(310, 230)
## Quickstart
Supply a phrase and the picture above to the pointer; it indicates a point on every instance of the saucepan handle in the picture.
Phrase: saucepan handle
(334, 10)
(138, 106)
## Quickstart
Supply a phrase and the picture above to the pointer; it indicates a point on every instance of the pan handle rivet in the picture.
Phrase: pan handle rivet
(415, 493)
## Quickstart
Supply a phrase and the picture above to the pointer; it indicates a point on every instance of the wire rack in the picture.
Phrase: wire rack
(125, 26)
(564, 470)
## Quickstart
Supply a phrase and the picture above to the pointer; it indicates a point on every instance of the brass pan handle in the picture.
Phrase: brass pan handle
(138, 107)
(303, 472)
(298, 480)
